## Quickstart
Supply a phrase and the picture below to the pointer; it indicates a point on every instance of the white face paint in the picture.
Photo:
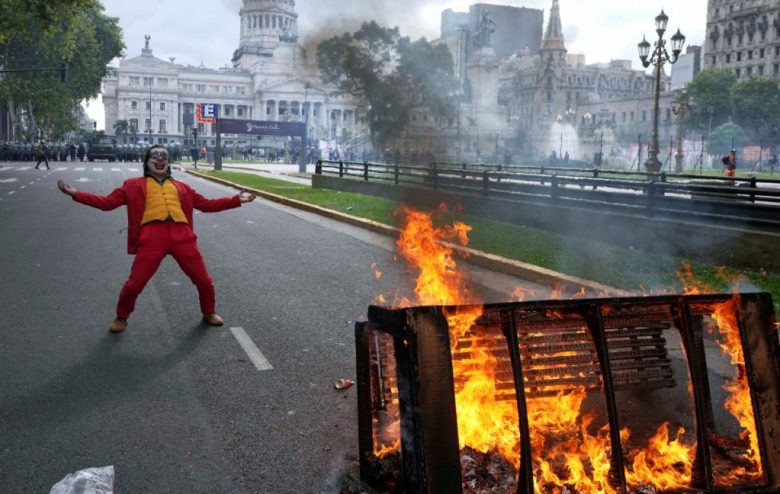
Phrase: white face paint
(158, 162)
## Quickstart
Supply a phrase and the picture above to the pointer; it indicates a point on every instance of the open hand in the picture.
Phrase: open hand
(246, 196)
(66, 188)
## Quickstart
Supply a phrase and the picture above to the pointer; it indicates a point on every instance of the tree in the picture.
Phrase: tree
(756, 103)
(725, 137)
(25, 19)
(84, 37)
(121, 127)
(392, 73)
(709, 99)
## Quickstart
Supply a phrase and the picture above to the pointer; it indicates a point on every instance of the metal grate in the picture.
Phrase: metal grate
(406, 383)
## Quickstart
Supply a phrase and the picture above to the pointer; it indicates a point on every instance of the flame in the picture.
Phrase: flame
(664, 464)
(570, 452)
(738, 403)
(482, 418)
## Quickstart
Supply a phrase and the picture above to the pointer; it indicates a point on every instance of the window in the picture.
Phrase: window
(644, 115)
(148, 105)
(728, 57)
(750, 54)
(147, 81)
(761, 53)
(713, 60)
(148, 125)
(133, 125)
(776, 69)
(133, 105)
(162, 105)
(748, 71)
(760, 69)
(777, 50)
(135, 80)
(240, 111)
(668, 114)
(241, 90)
(739, 56)
(228, 110)
(162, 126)
(162, 82)
(737, 72)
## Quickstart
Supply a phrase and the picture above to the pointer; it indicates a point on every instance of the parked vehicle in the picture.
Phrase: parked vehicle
(102, 149)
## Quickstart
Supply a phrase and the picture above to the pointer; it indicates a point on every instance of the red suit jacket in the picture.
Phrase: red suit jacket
(133, 193)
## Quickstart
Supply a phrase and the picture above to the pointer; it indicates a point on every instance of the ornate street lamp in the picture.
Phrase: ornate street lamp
(658, 57)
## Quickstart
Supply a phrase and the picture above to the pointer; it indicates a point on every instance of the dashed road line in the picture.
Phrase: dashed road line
(254, 354)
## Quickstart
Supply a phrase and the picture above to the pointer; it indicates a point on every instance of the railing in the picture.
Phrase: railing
(743, 201)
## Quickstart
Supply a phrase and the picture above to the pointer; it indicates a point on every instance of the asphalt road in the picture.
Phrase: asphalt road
(173, 405)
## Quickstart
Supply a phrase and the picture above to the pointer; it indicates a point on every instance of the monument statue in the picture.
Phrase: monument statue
(487, 26)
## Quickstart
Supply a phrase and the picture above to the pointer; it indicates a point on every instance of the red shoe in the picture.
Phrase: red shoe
(119, 325)
(213, 319)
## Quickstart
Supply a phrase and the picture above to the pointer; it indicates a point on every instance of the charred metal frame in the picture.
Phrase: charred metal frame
(426, 397)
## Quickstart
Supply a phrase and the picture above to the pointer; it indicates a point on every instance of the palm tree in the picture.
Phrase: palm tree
(120, 128)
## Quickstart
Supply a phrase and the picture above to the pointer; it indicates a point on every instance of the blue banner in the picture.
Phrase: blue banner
(261, 127)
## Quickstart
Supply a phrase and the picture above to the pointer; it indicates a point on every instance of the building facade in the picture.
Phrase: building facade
(743, 36)
(270, 79)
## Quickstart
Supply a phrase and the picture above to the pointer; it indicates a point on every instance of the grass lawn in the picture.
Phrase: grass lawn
(620, 267)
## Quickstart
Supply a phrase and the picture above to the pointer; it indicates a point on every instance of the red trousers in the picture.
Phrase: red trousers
(157, 240)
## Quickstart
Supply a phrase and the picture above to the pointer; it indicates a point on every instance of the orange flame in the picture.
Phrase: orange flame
(567, 456)
(738, 403)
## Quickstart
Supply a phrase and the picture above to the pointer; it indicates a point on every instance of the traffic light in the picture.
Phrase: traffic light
(64, 72)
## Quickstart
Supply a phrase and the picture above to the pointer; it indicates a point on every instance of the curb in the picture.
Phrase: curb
(493, 262)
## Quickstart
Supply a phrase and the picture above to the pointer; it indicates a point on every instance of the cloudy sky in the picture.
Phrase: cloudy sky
(207, 31)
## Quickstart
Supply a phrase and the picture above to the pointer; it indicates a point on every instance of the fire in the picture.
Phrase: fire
(664, 464)
(739, 402)
(570, 452)
(481, 417)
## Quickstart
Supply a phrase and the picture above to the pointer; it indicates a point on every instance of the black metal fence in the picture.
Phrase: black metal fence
(723, 200)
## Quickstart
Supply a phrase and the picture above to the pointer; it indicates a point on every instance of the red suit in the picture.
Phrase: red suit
(153, 241)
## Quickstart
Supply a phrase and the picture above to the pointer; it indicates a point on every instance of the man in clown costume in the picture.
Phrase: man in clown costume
(160, 222)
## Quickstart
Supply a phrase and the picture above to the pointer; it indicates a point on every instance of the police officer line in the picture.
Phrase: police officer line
(72, 168)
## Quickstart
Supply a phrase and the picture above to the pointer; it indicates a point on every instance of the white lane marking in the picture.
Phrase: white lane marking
(133, 169)
(115, 169)
(25, 168)
(11, 192)
(82, 179)
(23, 186)
(8, 180)
(33, 181)
(251, 350)
(60, 168)
(98, 169)
(79, 169)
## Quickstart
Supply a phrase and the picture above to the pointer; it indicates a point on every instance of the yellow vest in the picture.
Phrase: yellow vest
(162, 202)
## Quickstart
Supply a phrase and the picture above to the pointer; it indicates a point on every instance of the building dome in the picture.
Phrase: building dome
(265, 24)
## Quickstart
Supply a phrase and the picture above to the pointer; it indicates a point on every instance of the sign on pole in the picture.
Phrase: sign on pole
(207, 112)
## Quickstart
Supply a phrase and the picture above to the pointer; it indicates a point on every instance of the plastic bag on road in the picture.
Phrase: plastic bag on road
(98, 480)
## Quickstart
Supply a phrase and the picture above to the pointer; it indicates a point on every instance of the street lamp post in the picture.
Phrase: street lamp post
(150, 111)
(658, 57)
(303, 153)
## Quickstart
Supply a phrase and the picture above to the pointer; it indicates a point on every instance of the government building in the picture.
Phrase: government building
(270, 79)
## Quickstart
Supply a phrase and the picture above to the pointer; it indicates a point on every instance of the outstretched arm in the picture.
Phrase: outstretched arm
(105, 203)
(67, 188)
